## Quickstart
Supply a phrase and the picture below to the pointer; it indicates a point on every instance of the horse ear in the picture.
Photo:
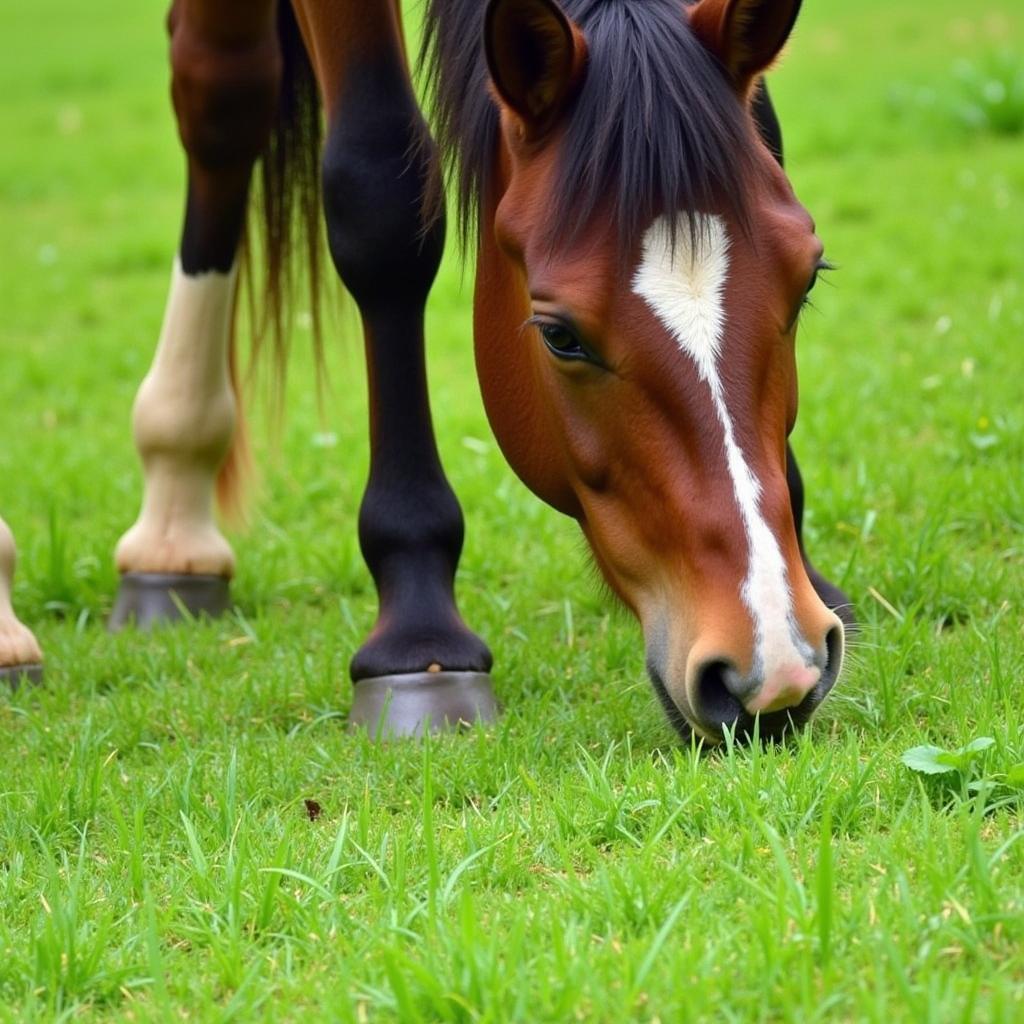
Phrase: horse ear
(745, 35)
(536, 57)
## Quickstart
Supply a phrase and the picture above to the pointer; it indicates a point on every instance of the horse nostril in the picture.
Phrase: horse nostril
(715, 693)
(834, 644)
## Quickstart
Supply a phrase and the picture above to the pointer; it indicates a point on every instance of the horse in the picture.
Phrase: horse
(641, 265)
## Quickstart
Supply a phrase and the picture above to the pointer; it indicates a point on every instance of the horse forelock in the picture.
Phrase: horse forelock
(655, 128)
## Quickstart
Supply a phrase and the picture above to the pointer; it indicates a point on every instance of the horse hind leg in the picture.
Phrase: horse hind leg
(20, 655)
(226, 71)
(421, 664)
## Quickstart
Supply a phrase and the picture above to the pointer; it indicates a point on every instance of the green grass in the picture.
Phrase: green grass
(156, 855)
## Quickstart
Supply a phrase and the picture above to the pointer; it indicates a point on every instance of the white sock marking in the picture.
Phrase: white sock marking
(183, 419)
(685, 288)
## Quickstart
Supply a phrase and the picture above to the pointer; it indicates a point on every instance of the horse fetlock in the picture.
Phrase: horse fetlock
(180, 424)
(421, 527)
(181, 454)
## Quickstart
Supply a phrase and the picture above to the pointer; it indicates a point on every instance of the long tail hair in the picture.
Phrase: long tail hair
(286, 207)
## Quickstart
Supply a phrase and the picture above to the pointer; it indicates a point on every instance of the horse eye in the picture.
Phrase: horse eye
(823, 265)
(561, 341)
(810, 288)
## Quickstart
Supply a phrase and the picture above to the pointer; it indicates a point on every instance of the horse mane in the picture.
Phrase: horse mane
(655, 128)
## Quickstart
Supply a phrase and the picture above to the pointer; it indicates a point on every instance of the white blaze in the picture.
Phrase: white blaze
(684, 287)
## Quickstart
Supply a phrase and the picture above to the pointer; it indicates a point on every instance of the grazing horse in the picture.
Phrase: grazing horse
(641, 265)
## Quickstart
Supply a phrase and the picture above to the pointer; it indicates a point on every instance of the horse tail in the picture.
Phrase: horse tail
(286, 209)
(236, 470)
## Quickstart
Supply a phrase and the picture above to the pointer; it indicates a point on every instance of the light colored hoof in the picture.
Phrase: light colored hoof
(394, 707)
(147, 599)
(15, 675)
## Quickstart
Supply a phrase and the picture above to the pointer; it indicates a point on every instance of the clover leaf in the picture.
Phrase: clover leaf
(931, 760)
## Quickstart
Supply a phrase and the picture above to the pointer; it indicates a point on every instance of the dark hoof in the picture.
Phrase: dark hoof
(390, 707)
(15, 675)
(147, 599)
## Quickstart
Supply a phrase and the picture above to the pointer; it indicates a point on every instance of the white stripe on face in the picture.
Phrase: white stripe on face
(684, 288)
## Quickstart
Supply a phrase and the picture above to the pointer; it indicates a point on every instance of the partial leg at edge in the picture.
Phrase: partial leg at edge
(20, 656)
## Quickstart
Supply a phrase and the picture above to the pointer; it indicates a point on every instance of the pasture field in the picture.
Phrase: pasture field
(158, 859)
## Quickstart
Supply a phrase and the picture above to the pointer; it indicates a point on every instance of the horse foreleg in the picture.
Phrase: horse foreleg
(226, 72)
(20, 656)
(421, 663)
(183, 420)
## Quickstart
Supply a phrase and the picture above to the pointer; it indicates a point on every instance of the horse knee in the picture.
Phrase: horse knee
(225, 93)
(375, 174)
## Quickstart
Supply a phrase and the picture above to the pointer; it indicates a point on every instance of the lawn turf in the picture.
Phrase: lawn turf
(157, 856)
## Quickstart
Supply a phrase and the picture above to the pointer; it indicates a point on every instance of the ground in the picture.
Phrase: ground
(187, 828)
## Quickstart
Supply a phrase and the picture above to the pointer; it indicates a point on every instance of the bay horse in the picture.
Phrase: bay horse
(641, 264)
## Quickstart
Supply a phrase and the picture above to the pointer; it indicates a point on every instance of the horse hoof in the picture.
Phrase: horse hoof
(147, 599)
(15, 675)
(392, 707)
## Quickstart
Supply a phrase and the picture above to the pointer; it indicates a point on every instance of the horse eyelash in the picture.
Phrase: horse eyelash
(823, 267)
(533, 321)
